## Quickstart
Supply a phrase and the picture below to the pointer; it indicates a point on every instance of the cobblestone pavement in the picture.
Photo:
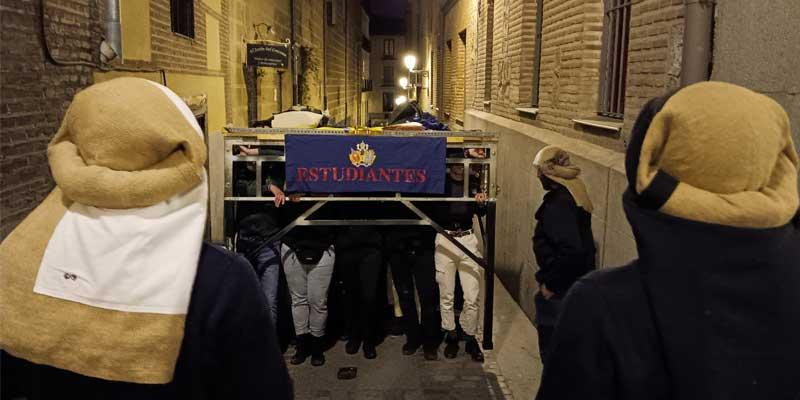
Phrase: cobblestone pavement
(393, 376)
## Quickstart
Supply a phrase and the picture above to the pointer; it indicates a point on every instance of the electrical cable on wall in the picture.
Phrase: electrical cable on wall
(105, 68)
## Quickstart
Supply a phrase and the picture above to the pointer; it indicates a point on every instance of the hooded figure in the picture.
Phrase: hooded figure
(562, 241)
(108, 290)
(711, 309)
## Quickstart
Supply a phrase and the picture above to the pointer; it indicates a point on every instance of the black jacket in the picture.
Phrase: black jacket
(562, 241)
(457, 215)
(707, 312)
(229, 350)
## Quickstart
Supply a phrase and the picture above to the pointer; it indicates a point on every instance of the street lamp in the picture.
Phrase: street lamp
(400, 100)
(410, 62)
(403, 82)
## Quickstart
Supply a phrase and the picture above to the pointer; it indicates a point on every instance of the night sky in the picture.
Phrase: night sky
(388, 8)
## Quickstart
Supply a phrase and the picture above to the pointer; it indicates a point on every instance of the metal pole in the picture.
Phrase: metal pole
(293, 55)
(697, 36)
(488, 306)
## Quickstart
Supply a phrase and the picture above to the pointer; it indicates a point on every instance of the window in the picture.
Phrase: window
(388, 75)
(537, 60)
(388, 47)
(614, 60)
(388, 102)
(182, 14)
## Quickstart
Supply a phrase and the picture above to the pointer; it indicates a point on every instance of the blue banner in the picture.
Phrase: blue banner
(337, 164)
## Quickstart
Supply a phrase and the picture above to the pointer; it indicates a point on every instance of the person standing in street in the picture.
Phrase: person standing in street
(411, 259)
(108, 290)
(456, 219)
(709, 310)
(562, 241)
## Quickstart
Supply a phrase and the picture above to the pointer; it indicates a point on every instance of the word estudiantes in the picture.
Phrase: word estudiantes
(353, 174)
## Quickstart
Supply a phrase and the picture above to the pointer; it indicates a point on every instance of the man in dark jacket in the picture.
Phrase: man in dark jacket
(710, 308)
(562, 241)
(456, 218)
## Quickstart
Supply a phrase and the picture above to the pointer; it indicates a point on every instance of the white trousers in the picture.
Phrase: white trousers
(450, 259)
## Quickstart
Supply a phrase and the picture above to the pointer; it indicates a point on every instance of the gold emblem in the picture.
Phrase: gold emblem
(362, 156)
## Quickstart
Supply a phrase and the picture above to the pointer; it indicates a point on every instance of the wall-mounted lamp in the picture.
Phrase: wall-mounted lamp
(400, 100)
(404, 82)
(410, 62)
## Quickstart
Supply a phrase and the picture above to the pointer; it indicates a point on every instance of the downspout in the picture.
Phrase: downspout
(111, 47)
(697, 41)
(293, 47)
(346, 64)
(325, 59)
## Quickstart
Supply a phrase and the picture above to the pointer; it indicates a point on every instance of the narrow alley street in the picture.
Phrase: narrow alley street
(589, 199)
(511, 370)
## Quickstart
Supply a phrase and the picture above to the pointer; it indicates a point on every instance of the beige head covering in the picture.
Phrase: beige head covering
(123, 145)
(730, 149)
(554, 163)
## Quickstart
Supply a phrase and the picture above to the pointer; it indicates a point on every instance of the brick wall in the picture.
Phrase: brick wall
(654, 54)
(499, 60)
(34, 93)
(342, 44)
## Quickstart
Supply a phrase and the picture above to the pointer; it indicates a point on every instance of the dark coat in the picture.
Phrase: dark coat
(562, 241)
(707, 312)
(229, 349)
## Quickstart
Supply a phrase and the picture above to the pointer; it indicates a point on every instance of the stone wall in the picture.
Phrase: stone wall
(756, 46)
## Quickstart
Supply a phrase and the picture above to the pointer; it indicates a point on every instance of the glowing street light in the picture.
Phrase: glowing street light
(404, 82)
(410, 62)
(400, 100)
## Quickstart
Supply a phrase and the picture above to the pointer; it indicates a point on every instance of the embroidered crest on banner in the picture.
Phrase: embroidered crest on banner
(362, 156)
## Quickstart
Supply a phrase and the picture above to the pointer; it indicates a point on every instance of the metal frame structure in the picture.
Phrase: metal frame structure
(221, 146)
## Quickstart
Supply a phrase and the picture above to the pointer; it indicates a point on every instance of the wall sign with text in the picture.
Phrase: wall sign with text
(268, 55)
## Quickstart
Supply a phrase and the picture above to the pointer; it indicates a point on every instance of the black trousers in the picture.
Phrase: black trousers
(415, 267)
(361, 270)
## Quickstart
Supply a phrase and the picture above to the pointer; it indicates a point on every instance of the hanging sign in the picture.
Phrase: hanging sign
(336, 164)
(268, 55)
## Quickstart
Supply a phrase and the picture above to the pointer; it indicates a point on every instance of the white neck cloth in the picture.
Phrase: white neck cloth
(134, 260)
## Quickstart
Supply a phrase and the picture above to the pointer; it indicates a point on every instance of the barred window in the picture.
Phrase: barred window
(182, 17)
(614, 67)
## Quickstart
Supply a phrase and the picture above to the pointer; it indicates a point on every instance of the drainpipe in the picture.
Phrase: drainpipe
(111, 47)
(697, 41)
(293, 53)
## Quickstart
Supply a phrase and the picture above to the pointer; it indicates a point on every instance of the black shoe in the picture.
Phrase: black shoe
(431, 354)
(370, 352)
(473, 349)
(352, 346)
(317, 353)
(451, 348)
(301, 350)
(410, 348)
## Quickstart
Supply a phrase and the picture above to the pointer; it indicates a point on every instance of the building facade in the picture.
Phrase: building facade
(575, 73)
(386, 63)
(49, 50)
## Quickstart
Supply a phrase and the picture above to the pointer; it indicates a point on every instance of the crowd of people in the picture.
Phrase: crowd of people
(108, 290)
(345, 268)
